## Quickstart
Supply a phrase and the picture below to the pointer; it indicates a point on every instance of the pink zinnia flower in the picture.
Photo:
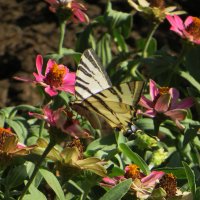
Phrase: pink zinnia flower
(189, 29)
(76, 9)
(165, 102)
(56, 78)
(63, 120)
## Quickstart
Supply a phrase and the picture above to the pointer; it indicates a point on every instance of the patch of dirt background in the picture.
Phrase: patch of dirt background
(28, 28)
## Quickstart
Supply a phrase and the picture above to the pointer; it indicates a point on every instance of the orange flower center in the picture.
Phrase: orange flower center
(4, 133)
(133, 171)
(194, 28)
(55, 76)
(169, 184)
(163, 90)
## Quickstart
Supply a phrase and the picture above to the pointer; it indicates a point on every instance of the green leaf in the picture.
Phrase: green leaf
(83, 39)
(104, 50)
(70, 52)
(100, 143)
(192, 62)
(152, 48)
(16, 177)
(190, 177)
(179, 172)
(118, 191)
(135, 158)
(190, 79)
(119, 39)
(197, 195)
(19, 128)
(34, 194)
(2, 120)
(118, 20)
(53, 183)
(53, 56)
(116, 171)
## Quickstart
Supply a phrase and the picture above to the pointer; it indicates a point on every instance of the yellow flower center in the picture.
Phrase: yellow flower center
(133, 171)
(169, 184)
(163, 90)
(194, 28)
(157, 3)
(4, 133)
(55, 76)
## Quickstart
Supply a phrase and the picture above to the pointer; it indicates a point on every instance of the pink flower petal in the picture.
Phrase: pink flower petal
(179, 22)
(146, 103)
(109, 180)
(50, 91)
(171, 21)
(23, 79)
(153, 89)
(67, 88)
(20, 145)
(149, 113)
(50, 63)
(162, 104)
(188, 21)
(185, 103)
(80, 15)
(175, 29)
(152, 178)
(176, 114)
(179, 125)
(174, 93)
(38, 77)
(70, 78)
(39, 64)
(174, 97)
(76, 131)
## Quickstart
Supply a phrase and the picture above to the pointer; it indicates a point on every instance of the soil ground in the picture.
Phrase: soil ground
(28, 28)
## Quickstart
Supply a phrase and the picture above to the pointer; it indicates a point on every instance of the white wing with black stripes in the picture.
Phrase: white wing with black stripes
(94, 92)
(91, 77)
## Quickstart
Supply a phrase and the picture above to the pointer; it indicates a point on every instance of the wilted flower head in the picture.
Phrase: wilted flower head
(165, 103)
(10, 147)
(142, 186)
(155, 8)
(71, 160)
(169, 184)
(189, 29)
(62, 121)
(70, 8)
(57, 77)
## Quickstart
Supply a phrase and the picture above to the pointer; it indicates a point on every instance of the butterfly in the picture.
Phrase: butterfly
(94, 93)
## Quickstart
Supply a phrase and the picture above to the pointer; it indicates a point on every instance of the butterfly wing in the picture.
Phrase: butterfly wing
(94, 92)
(116, 104)
(91, 77)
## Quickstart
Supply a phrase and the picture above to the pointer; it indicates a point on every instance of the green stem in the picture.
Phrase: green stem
(62, 36)
(41, 128)
(37, 166)
(156, 123)
(144, 53)
(190, 79)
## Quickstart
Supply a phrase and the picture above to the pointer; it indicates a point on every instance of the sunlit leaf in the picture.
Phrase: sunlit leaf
(118, 191)
(135, 158)
(53, 183)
